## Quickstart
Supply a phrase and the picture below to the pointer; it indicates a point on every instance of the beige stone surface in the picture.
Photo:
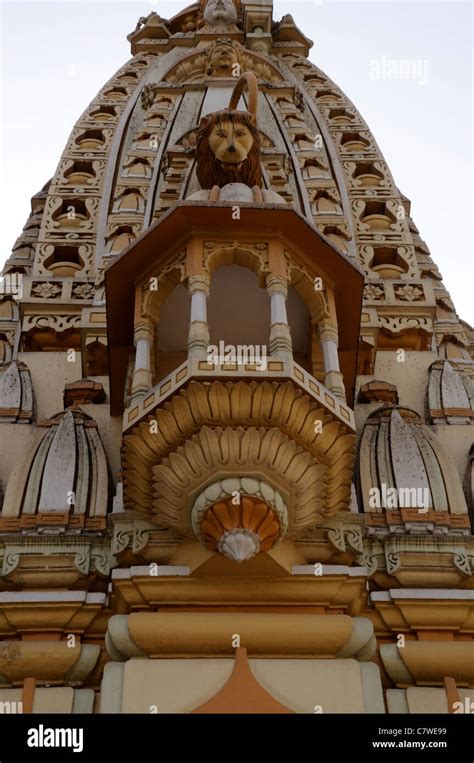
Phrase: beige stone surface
(305, 685)
(83, 702)
(14, 442)
(172, 686)
(457, 440)
(10, 701)
(50, 372)
(111, 688)
(426, 700)
(372, 687)
(57, 699)
(109, 427)
(410, 377)
(397, 701)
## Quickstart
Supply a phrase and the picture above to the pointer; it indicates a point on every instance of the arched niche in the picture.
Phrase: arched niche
(172, 332)
(238, 307)
(312, 308)
(301, 328)
(164, 314)
(97, 359)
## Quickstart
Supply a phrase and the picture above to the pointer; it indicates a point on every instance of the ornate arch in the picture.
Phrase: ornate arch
(155, 289)
(196, 65)
(253, 256)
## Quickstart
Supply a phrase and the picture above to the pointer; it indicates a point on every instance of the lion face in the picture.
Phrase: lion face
(230, 142)
(228, 150)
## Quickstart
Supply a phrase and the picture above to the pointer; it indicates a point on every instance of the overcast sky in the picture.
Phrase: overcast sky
(56, 56)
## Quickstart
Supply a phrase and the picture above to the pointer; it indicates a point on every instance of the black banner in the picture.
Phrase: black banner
(136, 737)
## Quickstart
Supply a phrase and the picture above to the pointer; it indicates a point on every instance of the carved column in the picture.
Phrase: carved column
(333, 378)
(142, 376)
(198, 337)
(280, 336)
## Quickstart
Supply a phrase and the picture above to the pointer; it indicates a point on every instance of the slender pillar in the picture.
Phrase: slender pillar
(198, 337)
(280, 335)
(142, 376)
(333, 378)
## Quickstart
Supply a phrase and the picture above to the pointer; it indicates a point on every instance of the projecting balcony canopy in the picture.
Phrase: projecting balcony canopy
(196, 219)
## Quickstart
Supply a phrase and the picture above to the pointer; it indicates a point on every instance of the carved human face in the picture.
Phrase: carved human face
(222, 59)
(220, 12)
(230, 142)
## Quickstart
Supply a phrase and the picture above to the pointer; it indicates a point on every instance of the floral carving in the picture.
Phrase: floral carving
(373, 293)
(409, 293)
(83, 290)
(46, 290)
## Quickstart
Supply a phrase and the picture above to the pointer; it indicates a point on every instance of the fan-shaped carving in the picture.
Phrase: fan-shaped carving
(256, 404)
(239, 452)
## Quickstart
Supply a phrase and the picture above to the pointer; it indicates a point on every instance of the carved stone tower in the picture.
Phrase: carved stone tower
(236, 402)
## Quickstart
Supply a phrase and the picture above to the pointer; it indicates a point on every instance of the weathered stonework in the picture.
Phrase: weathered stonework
(301, 484)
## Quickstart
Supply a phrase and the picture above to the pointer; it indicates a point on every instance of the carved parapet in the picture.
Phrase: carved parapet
(29, 614)
(136, 541)
(78, 560)
(326, 588)
(419, 561)
(339, 540)
(423, 611)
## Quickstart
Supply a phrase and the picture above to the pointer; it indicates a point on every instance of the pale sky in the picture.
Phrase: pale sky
(56, 56)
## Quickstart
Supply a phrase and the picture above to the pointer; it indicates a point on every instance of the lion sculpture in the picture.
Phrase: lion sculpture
(228, 162)
(228, 150)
